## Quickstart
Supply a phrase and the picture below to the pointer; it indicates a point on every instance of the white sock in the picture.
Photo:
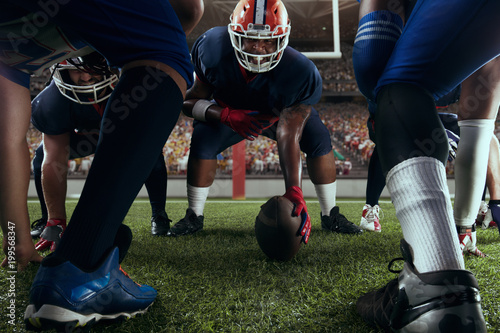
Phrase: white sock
(327, 194)
(422, 200)
(471, 164)
(197, 197)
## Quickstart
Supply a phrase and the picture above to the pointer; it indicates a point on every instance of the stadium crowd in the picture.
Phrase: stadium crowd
(346, 122)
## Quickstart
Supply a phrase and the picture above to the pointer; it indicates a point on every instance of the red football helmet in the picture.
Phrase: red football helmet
(259, 20)
(93, 63)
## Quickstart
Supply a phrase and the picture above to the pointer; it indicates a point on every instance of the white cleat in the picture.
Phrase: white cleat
(370, 218)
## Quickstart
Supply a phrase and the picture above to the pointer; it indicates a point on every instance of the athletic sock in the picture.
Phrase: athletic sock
(470, 168)
(421, 197)
(37, 173)
(327, 194)
(156, 185)
(376, 180)
(138, 119)
(197, 197)
(376, 37)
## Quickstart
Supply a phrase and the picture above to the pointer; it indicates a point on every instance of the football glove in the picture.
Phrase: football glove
(295, 195)
(51, 235)
(247, 123)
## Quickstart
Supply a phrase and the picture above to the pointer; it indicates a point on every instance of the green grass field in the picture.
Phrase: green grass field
(218, 280)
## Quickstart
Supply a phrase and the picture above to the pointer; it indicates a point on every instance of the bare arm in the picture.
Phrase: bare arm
(54, 174)
(14, 175)
(288, 134)
(189, 13)
(198, 91)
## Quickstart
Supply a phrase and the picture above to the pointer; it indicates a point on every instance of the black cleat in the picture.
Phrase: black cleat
(337, 222)
(444, 301)
(160, 224)
(188, 225)
(37, 227)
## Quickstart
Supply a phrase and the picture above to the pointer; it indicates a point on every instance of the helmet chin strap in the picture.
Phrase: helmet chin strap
(52, 75)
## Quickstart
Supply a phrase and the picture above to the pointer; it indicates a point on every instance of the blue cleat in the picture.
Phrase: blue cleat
(66, 298)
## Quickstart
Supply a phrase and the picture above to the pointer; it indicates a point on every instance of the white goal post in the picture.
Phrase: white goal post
(336, 53)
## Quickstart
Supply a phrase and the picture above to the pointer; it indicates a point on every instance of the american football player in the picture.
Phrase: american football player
(246, 79)
(69, 113)
(380, 27)
(489, 213)
(146, 40)
(441, 44)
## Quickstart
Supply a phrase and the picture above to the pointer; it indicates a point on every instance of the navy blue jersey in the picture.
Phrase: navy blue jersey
(295, 80)
(443, 42)
(36, 34)
(54, 114)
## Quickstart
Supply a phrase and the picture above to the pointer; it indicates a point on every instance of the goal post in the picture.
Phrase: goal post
(335, 53)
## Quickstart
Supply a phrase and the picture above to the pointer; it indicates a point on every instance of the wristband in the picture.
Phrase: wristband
(200, 108)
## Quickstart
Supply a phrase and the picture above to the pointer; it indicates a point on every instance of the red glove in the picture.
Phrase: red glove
(295, 195)
(51, 235)
(247, 123)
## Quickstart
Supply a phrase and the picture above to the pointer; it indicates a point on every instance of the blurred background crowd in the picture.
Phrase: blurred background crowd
(342, 108)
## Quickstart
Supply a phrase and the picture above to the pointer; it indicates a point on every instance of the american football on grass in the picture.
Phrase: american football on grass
(276, 230)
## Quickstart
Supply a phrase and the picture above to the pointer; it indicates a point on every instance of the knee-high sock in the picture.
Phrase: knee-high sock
(156, 185)
(421, 197)
(377, 34)
(376, 180)
(139, 117)
(470, 168)
(37, 175)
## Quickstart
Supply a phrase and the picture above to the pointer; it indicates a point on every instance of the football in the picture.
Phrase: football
(276, 230)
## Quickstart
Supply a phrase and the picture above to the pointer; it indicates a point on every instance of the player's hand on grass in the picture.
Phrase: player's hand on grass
(295, 195)
(19, 252)
(51, 235)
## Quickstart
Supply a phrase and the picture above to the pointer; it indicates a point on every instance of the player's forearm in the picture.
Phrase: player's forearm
(189, 13)
(202, 109)
(54, 184)
(290, 160)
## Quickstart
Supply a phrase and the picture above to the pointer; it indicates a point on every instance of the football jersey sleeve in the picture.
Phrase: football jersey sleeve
(301, 79)
(50, 112)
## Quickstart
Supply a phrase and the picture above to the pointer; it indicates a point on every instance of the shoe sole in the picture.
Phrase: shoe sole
(366, 226)
(458, 319)
(160, 234)
(341, 232)
(369, 229)
(64, 320)
(171, 234)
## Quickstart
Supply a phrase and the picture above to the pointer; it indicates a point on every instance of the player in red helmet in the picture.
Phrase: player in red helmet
(243, 84)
